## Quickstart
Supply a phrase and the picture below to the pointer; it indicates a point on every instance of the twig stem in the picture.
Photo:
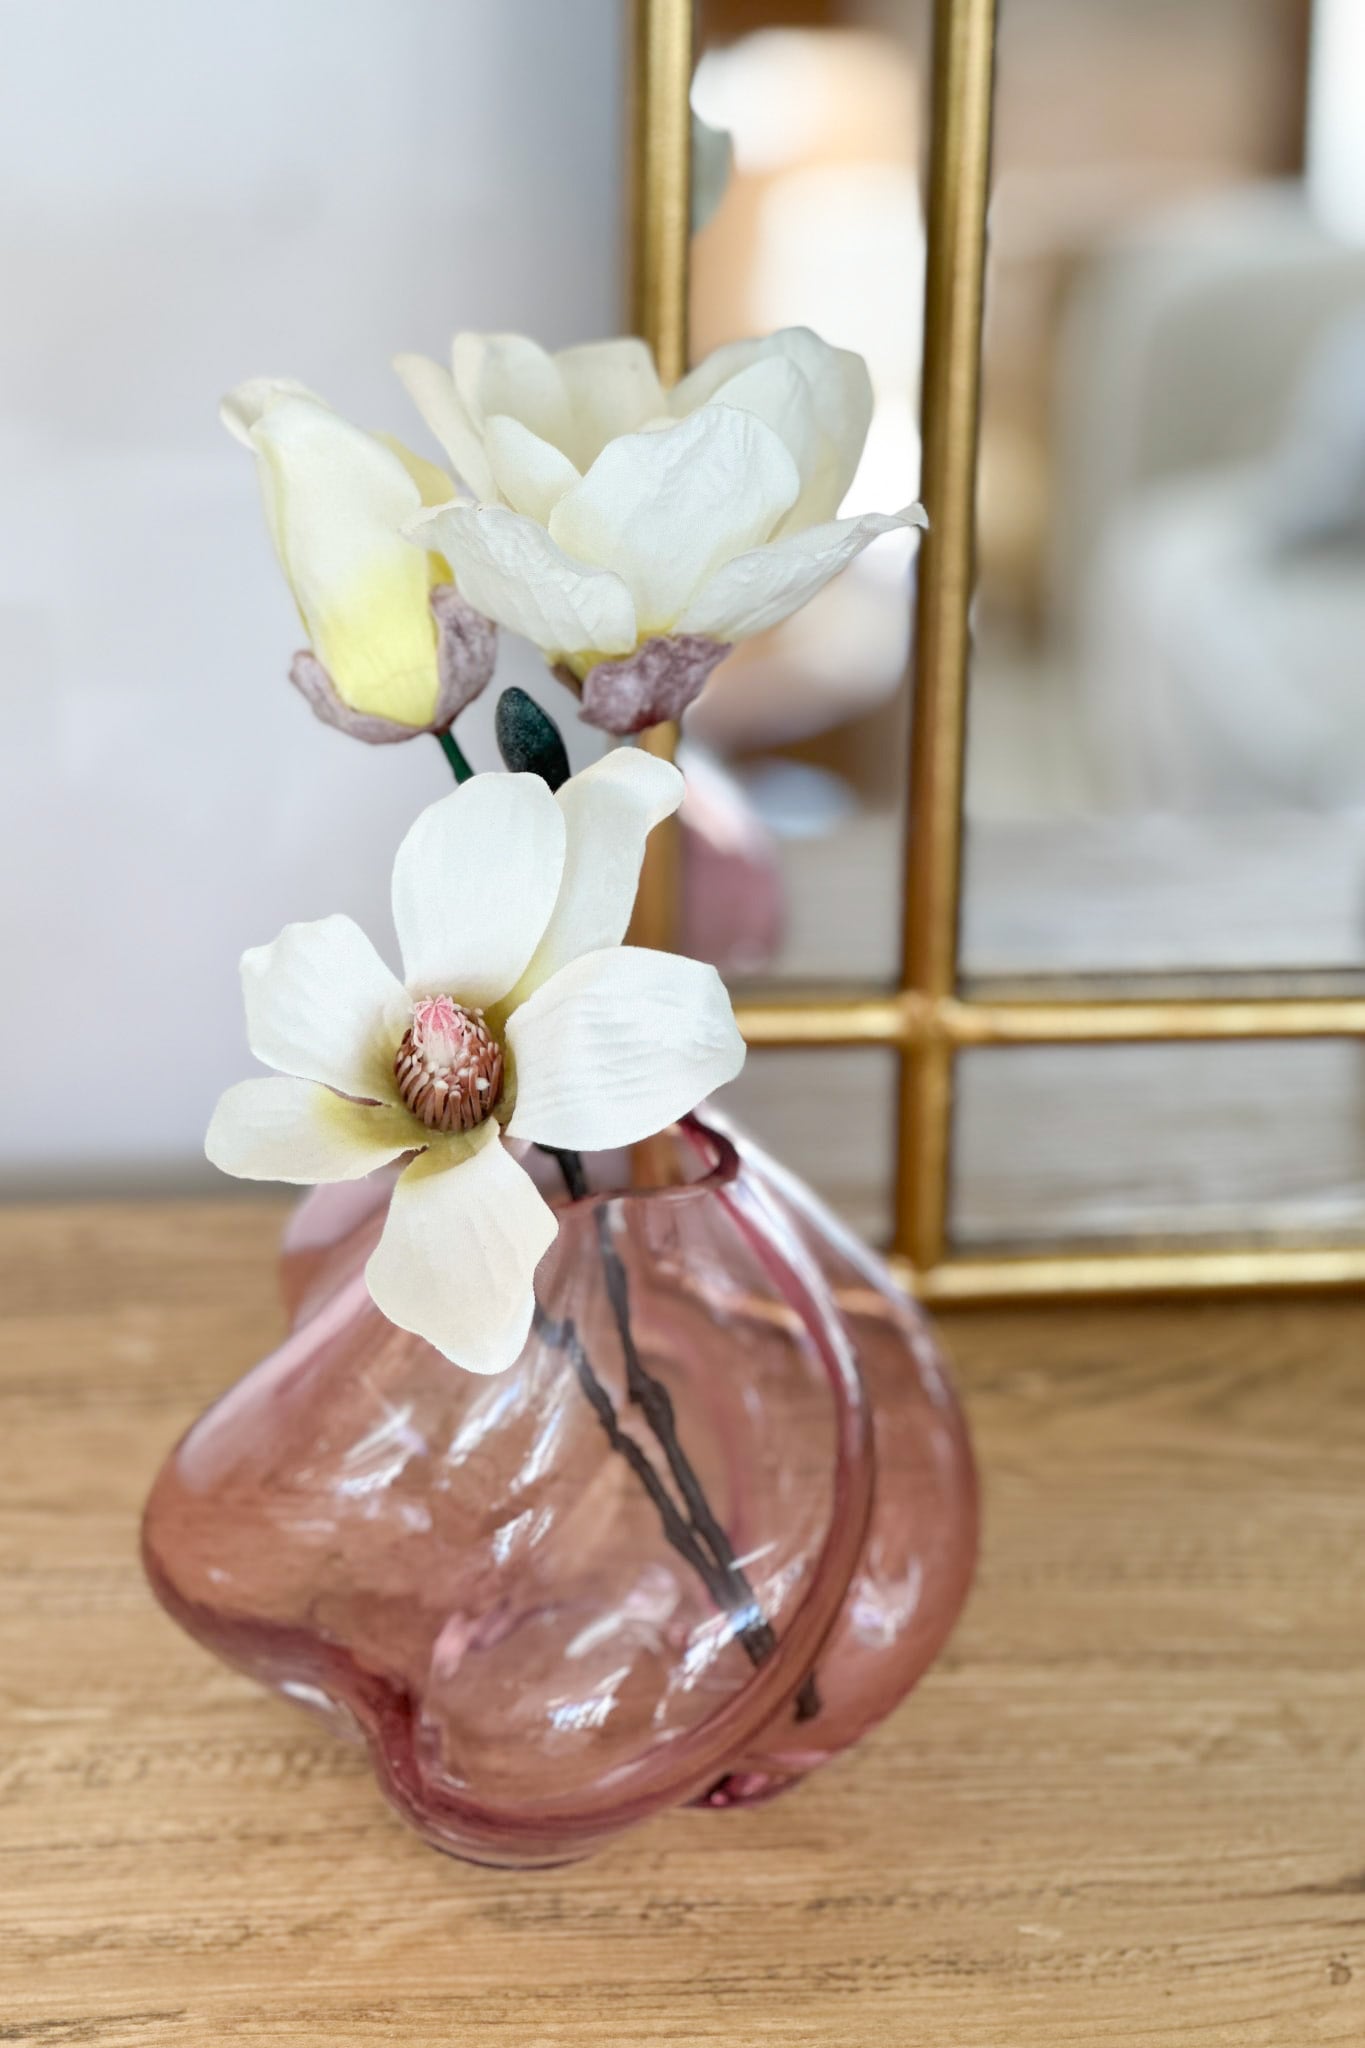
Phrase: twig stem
(655, 1403)
(699, 1537)
(675, 1527)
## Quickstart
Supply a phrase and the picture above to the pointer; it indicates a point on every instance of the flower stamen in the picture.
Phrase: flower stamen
(448, 1066)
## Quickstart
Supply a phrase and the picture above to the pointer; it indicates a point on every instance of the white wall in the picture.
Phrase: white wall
(190, 194)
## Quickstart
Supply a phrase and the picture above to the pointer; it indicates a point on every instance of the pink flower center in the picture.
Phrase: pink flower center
(449, 1065)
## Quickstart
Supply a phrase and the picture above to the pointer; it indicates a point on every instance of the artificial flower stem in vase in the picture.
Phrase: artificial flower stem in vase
(699, 1537)
(528, 740)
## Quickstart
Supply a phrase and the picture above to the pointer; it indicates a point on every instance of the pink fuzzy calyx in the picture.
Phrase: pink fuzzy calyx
(449, 1065)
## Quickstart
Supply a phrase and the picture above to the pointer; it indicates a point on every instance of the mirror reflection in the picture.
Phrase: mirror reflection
(1167, 757)
(1166, 760)
(1168, 652)
(810, 212)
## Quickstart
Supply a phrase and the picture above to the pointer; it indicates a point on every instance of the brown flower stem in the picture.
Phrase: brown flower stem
(655, 1403)
(564, 1337)
(570, 1165)
(699, 1538)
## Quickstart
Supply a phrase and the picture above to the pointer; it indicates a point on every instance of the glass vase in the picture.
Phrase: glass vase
(712, 1526)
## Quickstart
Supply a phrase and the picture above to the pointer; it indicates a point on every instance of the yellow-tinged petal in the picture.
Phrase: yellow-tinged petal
(300, 1132)
(431, 480)
(339, 499)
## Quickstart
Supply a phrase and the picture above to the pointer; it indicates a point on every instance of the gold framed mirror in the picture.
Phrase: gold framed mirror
(942, 1027)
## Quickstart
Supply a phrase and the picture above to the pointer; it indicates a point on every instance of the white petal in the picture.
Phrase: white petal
(474, 883)
(775, 391)
(701, 383)
(841, 392)
(320, 1003)
(508, 568)
(665, 509)
(613, 388)
(755, 590)
(531, 474)
(465, 1231)
(432, 390)
(341, 499)
(246, 403)
(297, 1131)
(843, 405)
(617, 1045)
(507, 373)
(609, 811)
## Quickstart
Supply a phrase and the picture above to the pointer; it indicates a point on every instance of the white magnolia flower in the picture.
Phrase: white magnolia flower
(394, 650)
(635, 534)
(520, 1016)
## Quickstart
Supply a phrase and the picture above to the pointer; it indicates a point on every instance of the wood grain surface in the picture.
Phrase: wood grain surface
(1128, 1806)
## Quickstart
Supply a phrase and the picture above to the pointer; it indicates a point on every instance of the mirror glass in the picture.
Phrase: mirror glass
(1097, 1145)
(1166, 769)
(1166, 757)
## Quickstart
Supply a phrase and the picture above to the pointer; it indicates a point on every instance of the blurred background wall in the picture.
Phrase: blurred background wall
(190, 195)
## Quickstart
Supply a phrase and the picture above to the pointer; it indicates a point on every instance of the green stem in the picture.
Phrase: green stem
(450, 747)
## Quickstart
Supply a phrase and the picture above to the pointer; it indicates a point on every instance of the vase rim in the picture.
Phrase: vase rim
(716, 1154)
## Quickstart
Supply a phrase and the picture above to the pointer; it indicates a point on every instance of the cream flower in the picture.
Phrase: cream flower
(634, 535)
(394, 650)
(521, 1016)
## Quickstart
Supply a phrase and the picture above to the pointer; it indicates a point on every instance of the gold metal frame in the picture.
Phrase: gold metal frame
(660, 240)
(929, 1019)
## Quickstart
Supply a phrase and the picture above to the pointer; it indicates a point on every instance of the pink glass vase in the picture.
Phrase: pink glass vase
(709, 1529)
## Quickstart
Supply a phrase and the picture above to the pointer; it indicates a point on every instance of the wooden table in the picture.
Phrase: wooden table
(1129, 1805)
